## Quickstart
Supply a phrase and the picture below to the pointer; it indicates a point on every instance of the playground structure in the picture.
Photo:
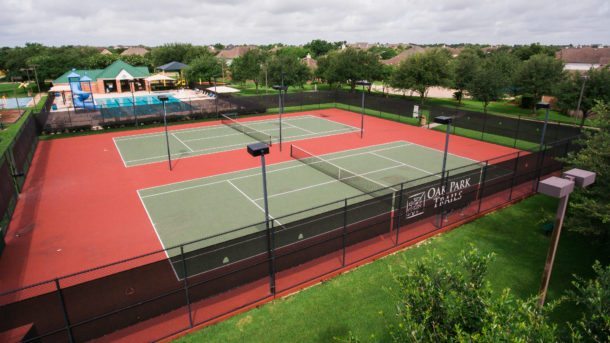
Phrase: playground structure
(80, 98)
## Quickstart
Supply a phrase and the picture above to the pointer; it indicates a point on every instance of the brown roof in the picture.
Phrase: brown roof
(135, 50)
(310, 62)
(584, 55)
(404, 55)
(234, 52)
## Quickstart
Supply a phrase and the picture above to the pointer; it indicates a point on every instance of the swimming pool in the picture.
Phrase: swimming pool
(139, 101)
(12, 102)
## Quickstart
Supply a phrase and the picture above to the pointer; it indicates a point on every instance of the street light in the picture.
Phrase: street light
(164, 99)
(132, 84)
(281, 88)
(262, 149)
(363, 83)
(559, 187)
(582, 91)
(546, 106)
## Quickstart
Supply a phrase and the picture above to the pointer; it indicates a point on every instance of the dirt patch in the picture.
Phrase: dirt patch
(10, 116)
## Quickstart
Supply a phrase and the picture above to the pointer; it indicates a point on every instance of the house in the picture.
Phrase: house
(310, 62)
(414, 49)
(229, 54)
(112, 79)
(583, 58)
(104, 51)
(135, 50)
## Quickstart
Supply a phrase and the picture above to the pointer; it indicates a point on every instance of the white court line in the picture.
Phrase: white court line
(181, 142)
(222, 136)
(402, 163)
(157, 234)
(290, 138)
(120, 154)
(300, 128)
(251, 200)
(257, 169)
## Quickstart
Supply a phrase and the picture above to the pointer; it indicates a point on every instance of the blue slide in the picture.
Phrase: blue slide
(79, 97)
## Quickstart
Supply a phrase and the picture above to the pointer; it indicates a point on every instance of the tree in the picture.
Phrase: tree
(181, 52)
(589, 208)
(99, 61)
(465, 67)
(594, 296)
(319, 47)
(384, 53)
(294, 51)
(422, 71)
(439, 301)
(219, 46)
(205, 67)
(538, 76)
(249, 66)
(350, 65)
(491, 78)
(597, 87)
(526, 51)
(295, 73)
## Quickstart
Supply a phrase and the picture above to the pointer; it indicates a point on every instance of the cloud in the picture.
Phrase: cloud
(154, 22)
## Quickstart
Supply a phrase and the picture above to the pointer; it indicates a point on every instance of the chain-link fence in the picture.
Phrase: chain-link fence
(199, 281)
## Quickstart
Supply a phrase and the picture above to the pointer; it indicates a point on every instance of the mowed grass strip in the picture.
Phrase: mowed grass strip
(361, 302)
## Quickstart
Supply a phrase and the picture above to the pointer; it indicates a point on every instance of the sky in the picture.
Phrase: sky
(155, 22)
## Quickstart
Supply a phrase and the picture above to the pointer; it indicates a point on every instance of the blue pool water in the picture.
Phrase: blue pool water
(12, 102)
(127, 101)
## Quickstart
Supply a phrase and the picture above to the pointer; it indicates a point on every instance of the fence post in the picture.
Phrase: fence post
(517, 131)
(512, 181)
(186, 286)
(482, 187)
(344, 235)
(398, 211)
(64, 310)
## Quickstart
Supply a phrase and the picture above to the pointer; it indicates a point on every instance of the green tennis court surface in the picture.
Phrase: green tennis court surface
(190, 210)
(150, 148)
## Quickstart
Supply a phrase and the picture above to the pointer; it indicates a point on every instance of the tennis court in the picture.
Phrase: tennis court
(151, 148)
(181, 212)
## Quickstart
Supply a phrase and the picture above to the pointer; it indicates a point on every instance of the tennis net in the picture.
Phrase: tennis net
(360, 182)
(256, 134)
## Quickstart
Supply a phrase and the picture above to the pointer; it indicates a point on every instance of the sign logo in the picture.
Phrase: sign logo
(440, 196)
(416, 204)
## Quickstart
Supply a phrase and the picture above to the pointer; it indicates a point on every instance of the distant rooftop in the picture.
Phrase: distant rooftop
(110, 72)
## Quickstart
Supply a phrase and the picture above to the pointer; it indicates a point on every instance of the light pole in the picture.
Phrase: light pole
(262, 149)
(33, 66)
(163, 99)
(559, 187)
(132, 84)
(582, 91)
(363, 83)
(445, 120)
(216, 97)
(280, 88)
(546, 106)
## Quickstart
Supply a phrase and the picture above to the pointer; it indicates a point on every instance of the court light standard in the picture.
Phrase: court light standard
(546, 106)
(216, 96)
(33, 66)
(444, 120)
(262, 149)
(281, 88)
(559, 187)
(584, 79)
(164, 99)
(363, 83)
(132, 84)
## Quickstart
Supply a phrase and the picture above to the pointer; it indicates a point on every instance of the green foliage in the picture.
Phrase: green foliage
(218, 46)
(465, 68)
(99, 61)
(249, 66)
(205, 67)
(440, 301)
(295, 73)
(597, 87)
(383, 52)
(594, 296)
(422, 71)
(491, 78)
(349, 65)
(180, 52)
(589, 208)
(292, 51)
(319, 47)
(538, 76)
(526, 51)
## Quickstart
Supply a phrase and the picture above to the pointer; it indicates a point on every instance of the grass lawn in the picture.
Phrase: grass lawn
(488, 137)
(7, 135)
(248, 89)
(361, 302)
(8, 89)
